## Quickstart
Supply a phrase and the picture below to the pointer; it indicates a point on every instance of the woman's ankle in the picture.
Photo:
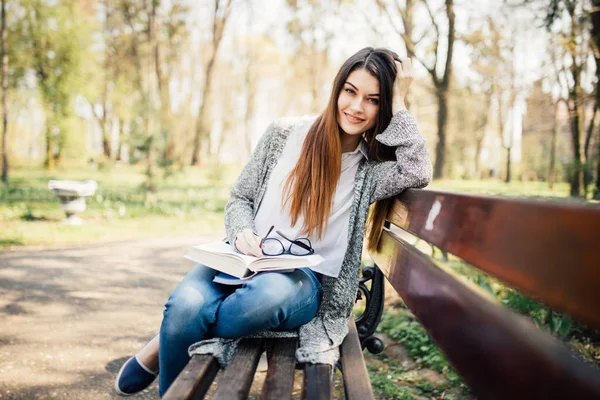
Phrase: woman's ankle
(150, 364)
(151, 368)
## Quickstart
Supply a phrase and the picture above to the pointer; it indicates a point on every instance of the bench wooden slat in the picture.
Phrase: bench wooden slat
(239, 373)
(499, 353)
(357, 385)
(279, 382)
(317, 382)
(195, 379)
(546, 249)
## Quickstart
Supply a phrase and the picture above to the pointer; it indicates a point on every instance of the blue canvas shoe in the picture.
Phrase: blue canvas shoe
(133, 377)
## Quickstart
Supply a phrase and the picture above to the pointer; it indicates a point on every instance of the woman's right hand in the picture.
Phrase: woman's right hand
(248, 242)
(404, 77)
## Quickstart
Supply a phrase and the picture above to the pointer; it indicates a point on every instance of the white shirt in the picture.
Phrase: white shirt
(332, 246)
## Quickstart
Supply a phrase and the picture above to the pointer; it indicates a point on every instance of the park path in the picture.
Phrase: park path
(69, 317)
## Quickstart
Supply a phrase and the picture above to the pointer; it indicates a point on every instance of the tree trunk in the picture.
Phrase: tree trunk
(150, 129)
(49, 159)
(478, 147)
(105, 127)
(508, 147)
(595, 16)
(220, 17)
(163, 80)
(119, 149)
(60, 145)
(200, 128)
(106, 132)
(508, 152)
(442, 122)
(597, 190)
(443, 90)
(106, 144)
(150, 164)
(575, 104)
(576, 176)
(4, 58)
(552, 163)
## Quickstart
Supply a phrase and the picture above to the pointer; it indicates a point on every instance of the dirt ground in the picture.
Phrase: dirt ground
(70, 317)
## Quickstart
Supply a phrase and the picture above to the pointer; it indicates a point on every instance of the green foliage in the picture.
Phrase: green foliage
(556, 323)
(406, 330)
(185, 203)
(553, 322)
(497, 187)
(386, 384)
(52, 36)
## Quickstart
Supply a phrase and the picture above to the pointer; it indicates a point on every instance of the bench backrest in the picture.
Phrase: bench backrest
(546, 249)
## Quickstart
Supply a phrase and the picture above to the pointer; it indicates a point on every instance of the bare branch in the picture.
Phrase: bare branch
(451, 33)
(432, 17)
(410, 45)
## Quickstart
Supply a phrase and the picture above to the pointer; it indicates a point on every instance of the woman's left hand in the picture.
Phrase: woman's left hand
(404, 78)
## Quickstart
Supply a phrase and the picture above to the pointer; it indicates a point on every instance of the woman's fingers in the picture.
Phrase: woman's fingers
(247, 242)
(406, 66)
(402, 82)
(404, 76)
(255, 244)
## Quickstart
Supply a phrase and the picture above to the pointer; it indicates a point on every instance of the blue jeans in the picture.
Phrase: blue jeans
(200, 309)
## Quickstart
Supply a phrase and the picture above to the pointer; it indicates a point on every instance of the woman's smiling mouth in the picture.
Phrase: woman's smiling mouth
(352, 119)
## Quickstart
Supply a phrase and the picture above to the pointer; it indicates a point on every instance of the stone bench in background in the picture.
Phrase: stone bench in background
(72, 196)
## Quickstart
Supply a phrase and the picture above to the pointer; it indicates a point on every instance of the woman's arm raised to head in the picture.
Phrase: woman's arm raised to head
(412, 168)
(240, 208)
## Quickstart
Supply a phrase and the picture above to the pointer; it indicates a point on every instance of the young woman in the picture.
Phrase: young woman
(309, 178)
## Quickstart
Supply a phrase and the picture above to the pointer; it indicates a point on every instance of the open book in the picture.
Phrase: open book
(223, 257)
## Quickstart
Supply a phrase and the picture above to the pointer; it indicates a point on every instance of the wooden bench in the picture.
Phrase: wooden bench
(546, 249)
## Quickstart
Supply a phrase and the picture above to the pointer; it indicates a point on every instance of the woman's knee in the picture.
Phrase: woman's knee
(184, 306)
(191, 305)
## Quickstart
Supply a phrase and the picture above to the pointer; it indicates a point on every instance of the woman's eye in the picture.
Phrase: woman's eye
(374, 101)
(348, 90)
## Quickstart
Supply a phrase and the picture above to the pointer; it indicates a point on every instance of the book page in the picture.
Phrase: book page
(222, 256)
(224, 248)
(286, 261)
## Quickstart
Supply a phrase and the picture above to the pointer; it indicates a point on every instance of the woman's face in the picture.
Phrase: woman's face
(358, 103)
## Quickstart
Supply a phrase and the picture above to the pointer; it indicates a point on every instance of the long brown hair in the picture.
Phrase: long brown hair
(312, 183)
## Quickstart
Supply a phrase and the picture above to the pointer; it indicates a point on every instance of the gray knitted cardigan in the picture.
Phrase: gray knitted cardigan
(319, 339)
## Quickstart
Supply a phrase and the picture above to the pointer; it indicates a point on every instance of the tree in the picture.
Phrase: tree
(221, 12)
(102, 112)
(578, 29)
(167, 52)
(436, 59)
(4, 59)
(493, 51)
(310, 32)
(46, 31)
(595, 17)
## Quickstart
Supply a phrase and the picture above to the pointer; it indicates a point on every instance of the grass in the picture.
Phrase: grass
(494, 187)
(190, 202)
(187, 202)
(394, 380)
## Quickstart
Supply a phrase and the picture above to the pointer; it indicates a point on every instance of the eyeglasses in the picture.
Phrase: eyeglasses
(273, 247)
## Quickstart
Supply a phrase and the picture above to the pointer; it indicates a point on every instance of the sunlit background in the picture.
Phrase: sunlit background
(192, 83)
(161, 103)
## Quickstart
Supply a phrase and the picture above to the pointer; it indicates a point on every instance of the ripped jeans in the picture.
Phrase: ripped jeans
(200, 309)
